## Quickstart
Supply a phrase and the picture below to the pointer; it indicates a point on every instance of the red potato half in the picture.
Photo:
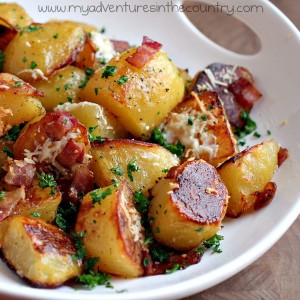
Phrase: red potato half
(188, 205)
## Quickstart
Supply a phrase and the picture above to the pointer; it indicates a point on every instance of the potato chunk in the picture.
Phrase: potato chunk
(247, 174)
(113, 231)
(35, 54)
(145, 99)
(140, 163)
(40, 252)
(188, 205)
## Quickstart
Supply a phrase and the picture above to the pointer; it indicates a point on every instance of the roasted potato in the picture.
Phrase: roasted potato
(36, 52)
(94, 117)
(145, 99)
(113, 231)
(188, 205)
(20, 98)
(61, 87)
(200, 124)
(140, 163)
(40, 252)
(247, 174)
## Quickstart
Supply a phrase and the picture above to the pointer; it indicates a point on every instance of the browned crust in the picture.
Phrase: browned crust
(124, 142)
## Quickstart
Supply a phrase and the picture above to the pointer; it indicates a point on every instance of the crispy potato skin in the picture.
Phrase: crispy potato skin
(151, 160)
(247, 174)
(145, 99)
(47, 250)
(93, 115)
(188, 205)
(109, 233)
(48, 53)
(62, 86)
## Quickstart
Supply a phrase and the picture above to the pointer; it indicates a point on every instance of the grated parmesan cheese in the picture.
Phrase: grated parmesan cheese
(34, 73)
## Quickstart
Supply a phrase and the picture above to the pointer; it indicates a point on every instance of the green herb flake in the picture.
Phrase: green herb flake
(8, 152)
(201, 229)
(204, 117)
(13, 133)
(122, 79)
(158, 254)
(2, 58)
(117, 170)
(96, 91)
(175, 268)
(132, 167)
(2, 194)
(55, 36)
(214, 243)
(24, 59)
(190, 121)
(35, 214)
(102, 30)
(165, 170)
(32, 28)
(84, 82)
(64, 215)
(77, 238)
(47, 180)
(109, 71)
(70, 100)
(33, 65)
(256, 134)
(142, 202)
(99, 195)
(146, 261)
(67, 86)
(250, 125)
(93, 138)
(18, 83)
(269, 132)
(92, 279)
(89, 71)
(200, 250)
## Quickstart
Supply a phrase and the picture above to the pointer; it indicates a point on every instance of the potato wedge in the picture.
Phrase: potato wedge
(201, 125)
(20, 98)
(142, 102)
(113, 231)
(247, 174)
(140, 164)
(100, 121)
(48, 252)
(63, 86)
(188, 205)
(34, 54)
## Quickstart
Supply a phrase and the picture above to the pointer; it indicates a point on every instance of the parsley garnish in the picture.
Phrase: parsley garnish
(93, 138)
(92, 279)
(200, 250)
(142, 201)
(269, 132)
(190, 121)
(158, 138)
(249, 127)
(2, 58)
(64, 215)
(13, 133)
(146, 261)
(33, 65)
(70, 100)
(96, 91)
(84, 82)
(67, 86)
(55, 36)
(89, 71)
(102, 30)
(204, 117)
(18, 83)
(117, 170)
(99, 195)
(165, 170)
(47, 180)
(122, 79)
(214, 243)
(2, 194)
(31, 28)
(256, 134)
(132, 167)
(35, 214)
(8, 152)
(109, 71)
(24, 59)
(176, 267)
(158, 254)
(79, 244)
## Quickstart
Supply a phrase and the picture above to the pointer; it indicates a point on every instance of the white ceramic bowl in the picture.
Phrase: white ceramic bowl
(276, 69)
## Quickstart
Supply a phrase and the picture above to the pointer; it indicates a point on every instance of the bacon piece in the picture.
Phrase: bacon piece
(144, 53)
(245, 92)
(10, 200)
(183, 260)
(19, 173)
(71, 154)
(283, 154)
(120, 46)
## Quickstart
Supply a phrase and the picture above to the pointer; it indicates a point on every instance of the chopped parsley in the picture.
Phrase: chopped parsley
(77, 238)
(142, 202)
(84, 82)
(35, 214)
(30, 28)
(201, 229)
(269, 132)
(158, 254)
(2, 58)
(117, 170)
(122, 79)
(190, 121)
(55, 36)
(24, 59)
(93, 279)
(214, 243)
(2, 194)
(89, 71)
(146, 261)
(102, 30)
(200, 250)
(64, 216)
(67, 86)
(109, 71)
(33, 65)
(204, 117)
(8, 152)
(256, 134)
(47, 180)
(18, 83)
(175, 268)
(70, 100)
(99, 195)
(158, 138)
(96, 91)
(93, 138)
(132, 167)
(165, 170)
(13, 133)
(250, 125)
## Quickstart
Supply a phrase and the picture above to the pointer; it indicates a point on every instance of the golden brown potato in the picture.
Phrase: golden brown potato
(34, 54)
(187, 79)
(40, 252)
(140, 164)
(20, 98)
(188, 205)
(63, 86)
(247, 174)
(94, 117)
(144, 100)
(200, 124)
(113, 231)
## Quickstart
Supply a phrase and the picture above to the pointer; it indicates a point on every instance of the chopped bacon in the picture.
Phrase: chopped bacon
(245, 92)
(144, 53)
(283, 154)
(57, 129)
(71, 154)
(264, 197)
(183, 260)
(10, 200)
(19, 173)
(120, 46)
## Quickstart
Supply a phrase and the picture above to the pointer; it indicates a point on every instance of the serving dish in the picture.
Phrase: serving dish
(276, 72)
